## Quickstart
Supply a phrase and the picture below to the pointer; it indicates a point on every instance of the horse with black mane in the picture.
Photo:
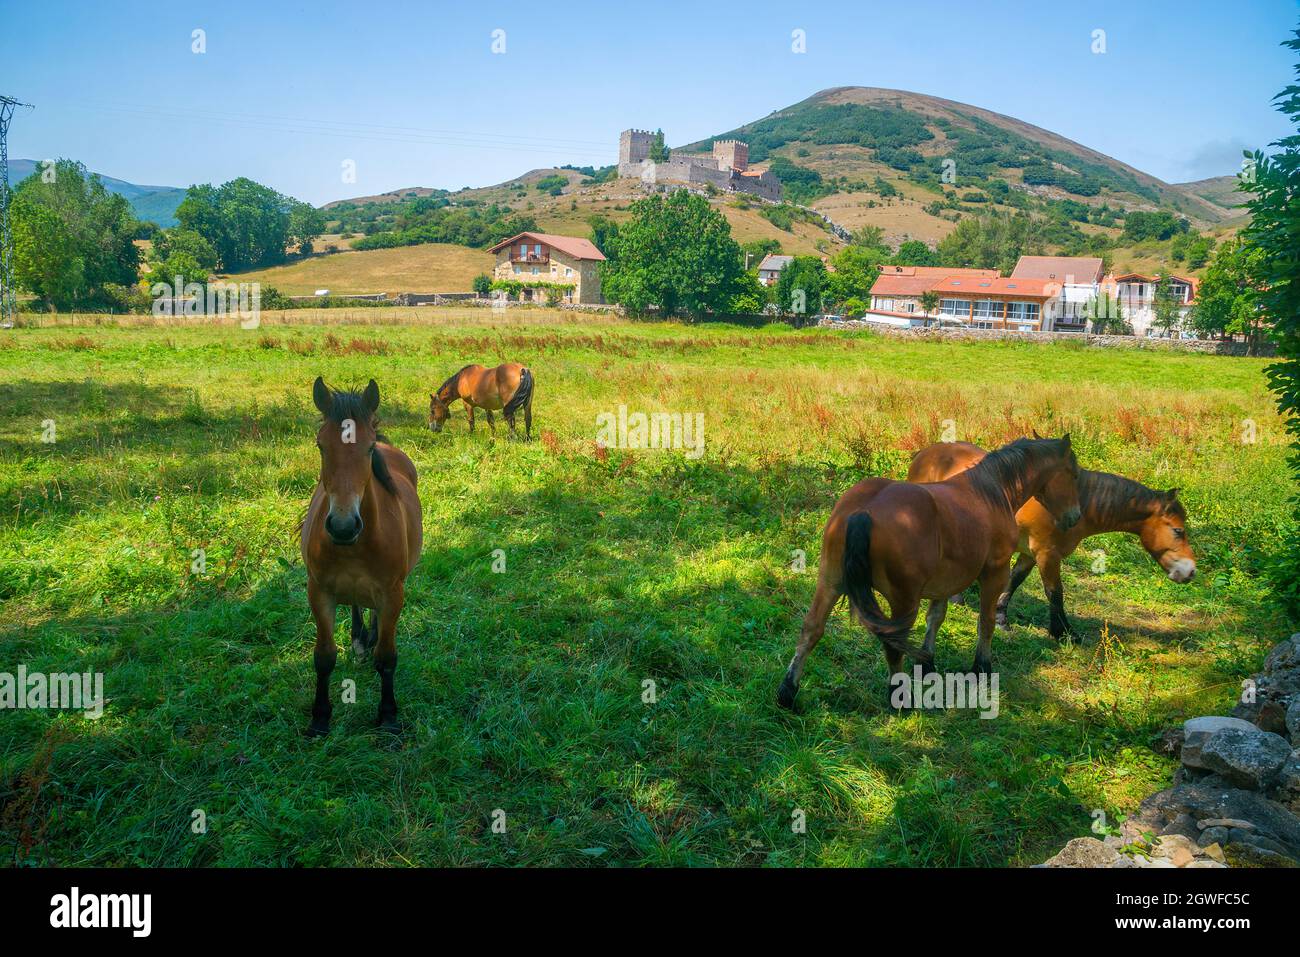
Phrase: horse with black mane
(360, 540)
(911, 541)
(508, 387)
(1109, 503)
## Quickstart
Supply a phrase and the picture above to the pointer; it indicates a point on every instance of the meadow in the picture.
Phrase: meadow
(524, 692)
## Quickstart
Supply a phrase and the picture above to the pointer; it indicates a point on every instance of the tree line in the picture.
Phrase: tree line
(75, 242)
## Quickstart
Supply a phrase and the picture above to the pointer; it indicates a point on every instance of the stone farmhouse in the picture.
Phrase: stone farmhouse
(727, 168)
(1042, 294)
(542, 261)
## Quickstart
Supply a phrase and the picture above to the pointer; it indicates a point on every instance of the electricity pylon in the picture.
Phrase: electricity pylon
(8, 295)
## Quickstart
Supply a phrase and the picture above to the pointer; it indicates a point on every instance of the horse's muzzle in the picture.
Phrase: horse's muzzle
(343, 533)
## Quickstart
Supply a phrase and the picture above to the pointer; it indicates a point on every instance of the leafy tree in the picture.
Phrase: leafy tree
(929, 304)
(180, 265)
(801, 286)
(915, 253)
(659, 153)
(1164, 307)
(177, 240)
(72, 238)
(1275, 230)
(482, 285)
(1227, 302)
(869, 236)
(856, 269)
(248, 224)
(675, 252)
(604, 232)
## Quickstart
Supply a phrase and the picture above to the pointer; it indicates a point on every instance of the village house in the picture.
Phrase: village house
(770, 268)
(1079, 278)
(1136, 294)
(544, 263)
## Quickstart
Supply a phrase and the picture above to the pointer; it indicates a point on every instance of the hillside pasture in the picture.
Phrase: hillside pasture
(610, 691)
(431, 267)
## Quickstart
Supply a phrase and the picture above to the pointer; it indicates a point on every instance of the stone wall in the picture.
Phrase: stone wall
(1235, 798)
(1215, 346)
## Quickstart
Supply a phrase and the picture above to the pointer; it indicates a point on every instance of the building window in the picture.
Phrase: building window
(568, 271)
(955, 307)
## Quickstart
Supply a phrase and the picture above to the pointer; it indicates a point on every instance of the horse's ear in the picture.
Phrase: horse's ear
(322, 396)
(1034, 433)
(1065, 439)
(371, 396)
(1172, 494)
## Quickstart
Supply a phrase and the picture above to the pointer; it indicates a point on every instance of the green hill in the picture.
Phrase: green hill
(154, 203)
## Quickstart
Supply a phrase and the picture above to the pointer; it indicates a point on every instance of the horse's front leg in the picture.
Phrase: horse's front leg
(1024, 565)
(993, 581)
(323, 607)
(492, 422)
(1049, 569)
(386, 658)
(469, 414)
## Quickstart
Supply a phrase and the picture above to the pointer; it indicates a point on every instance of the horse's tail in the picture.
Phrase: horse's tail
(522, 394)
(857, 585)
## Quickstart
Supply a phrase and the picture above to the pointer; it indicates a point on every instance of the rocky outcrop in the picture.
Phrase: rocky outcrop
(1235, 799)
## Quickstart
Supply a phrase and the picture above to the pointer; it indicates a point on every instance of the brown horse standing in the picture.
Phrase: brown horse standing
(1109, 503)
(508, 387)
(360, 540)
(914, 541)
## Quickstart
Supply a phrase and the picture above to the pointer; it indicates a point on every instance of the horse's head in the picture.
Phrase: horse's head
(1164, 536)
(346, 440)
(1060, 489)
(439, 412)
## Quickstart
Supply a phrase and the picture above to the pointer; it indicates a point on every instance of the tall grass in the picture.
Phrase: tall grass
(523, 692)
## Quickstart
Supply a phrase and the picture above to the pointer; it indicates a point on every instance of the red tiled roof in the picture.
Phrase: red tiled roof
(1083, 269)
(575, 247)
(964, 282)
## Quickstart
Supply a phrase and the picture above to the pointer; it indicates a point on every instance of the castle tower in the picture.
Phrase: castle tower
(731, 154)
(633, 150)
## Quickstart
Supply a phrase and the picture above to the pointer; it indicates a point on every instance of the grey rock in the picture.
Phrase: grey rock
(1198, 731)
(1285, 656)
(1212, 723)
(1213, 835)
(1250, 759)
(1202, 802)
(1225, 822)
(1293, 719)
(1205, 862)
(1183, 825)
(1084, 852)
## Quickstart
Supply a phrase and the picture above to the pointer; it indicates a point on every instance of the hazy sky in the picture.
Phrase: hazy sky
(414, 95)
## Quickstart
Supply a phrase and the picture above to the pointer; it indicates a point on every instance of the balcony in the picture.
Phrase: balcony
(531, 258)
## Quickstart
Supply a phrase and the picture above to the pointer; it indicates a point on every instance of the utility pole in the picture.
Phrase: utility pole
(8, 295)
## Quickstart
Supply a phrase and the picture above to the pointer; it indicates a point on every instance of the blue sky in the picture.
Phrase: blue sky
(413, 94)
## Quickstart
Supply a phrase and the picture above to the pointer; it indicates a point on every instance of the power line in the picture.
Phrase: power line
(8, 295)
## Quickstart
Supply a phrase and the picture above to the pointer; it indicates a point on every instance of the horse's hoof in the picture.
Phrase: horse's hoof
(388, 724)
(317, 730)
(785, 694)
(984, 667)
(360, 649)
(927, 668)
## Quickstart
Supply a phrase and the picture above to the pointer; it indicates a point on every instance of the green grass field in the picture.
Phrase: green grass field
(522, 692)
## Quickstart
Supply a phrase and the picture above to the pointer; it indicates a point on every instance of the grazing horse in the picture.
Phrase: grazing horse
(508, 387)
(360, 540)
(1109, 503)
(913, 541)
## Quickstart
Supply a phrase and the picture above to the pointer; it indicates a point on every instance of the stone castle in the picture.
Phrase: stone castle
(727, 168)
